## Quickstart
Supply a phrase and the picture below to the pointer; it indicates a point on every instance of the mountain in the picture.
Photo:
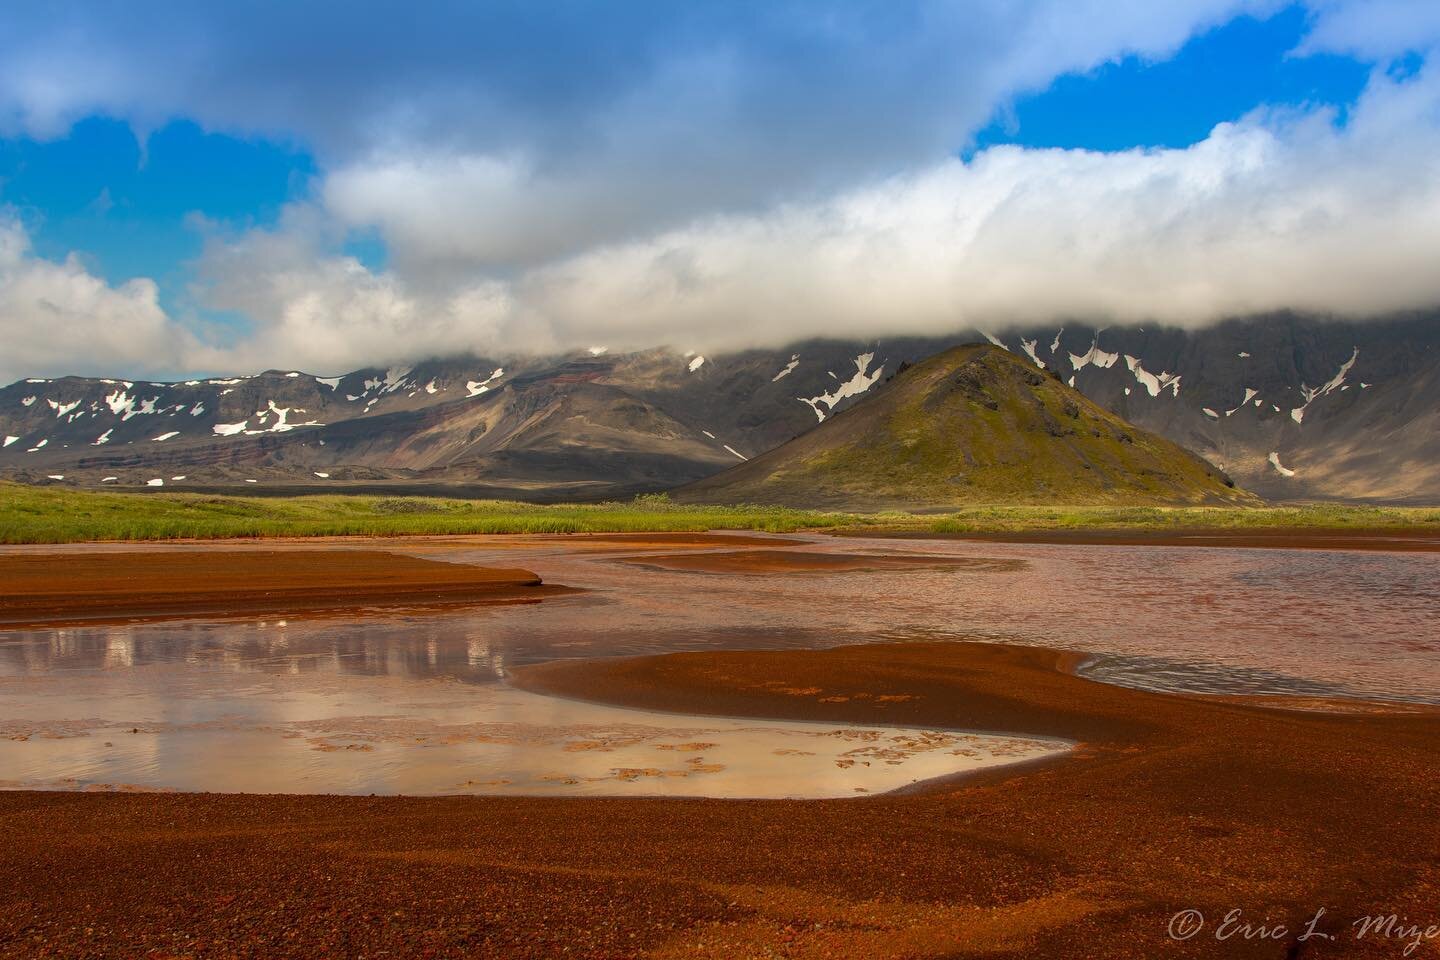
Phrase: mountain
(549, 430)
(972, 424)
(1290, 406)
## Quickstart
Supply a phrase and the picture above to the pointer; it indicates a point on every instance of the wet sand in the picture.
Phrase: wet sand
(80, 586)
(1409, 541)
(764, 562)
(1171, 802)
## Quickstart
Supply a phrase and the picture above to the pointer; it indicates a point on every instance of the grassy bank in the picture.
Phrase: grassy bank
(55, 515)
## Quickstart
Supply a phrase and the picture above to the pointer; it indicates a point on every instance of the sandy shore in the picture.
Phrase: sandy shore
(62, 586)
(1171, 803)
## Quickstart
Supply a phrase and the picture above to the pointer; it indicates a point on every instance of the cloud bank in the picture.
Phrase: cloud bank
(716, 175)
(1275, 211)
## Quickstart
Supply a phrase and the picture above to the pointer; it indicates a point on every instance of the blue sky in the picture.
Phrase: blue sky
(1219, 75)
(128, 201)
(284, 174)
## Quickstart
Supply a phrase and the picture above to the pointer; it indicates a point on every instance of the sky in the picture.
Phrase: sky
(191, 187)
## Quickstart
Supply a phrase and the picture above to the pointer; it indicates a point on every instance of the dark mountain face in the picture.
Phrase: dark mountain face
(1348, 410)
(971, 425)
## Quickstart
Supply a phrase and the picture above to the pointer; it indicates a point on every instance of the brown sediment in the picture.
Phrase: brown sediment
(653, 540)
(802, 561)
(82, 586)
(1169, 803)
(1289, 538)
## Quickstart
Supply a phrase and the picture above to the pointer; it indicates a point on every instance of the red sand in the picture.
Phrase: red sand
(1170, 803)
(82, 586)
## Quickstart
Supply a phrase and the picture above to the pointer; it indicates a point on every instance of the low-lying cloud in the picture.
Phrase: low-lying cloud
(1276, 211)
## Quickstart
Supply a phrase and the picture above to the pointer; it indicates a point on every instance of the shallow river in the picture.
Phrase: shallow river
(415, 702)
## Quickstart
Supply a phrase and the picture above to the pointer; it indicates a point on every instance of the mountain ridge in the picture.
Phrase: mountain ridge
(1368, 396)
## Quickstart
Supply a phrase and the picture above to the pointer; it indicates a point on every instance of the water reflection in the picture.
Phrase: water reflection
(1237, 621)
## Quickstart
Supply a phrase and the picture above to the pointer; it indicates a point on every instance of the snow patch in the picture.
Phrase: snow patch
(55, 476)
(863, 380)
(788, 368)
(993, 339)
(229, 429)
(322, 476)
(431, 388)
(103, 439)
(1242, 355)
(198, 409)
(696, 364)
(734, 451)
(1055, 344)
(108, 479)
(395, 378)
(1029, 347)
(28, 401)
(157, 482)
(293, 374)
(708, 434)
(1153, 382)
(332, 382)
(1094, 357)
(62, 408)
(1280, 468)
(8, 441)
(1210, 413)
(146, 407)
(282, 424)
(1311, 394)
(598, 351)
(476, 387)
(38, 445)
(166, 436)
(1250, 394)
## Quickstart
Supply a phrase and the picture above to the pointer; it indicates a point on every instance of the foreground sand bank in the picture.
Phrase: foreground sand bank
(77, 586)
(1171, 803)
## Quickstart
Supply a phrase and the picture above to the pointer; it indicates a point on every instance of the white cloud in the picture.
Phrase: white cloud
(58, 318)
(675, 173)
(1279, 210)
(329, 313)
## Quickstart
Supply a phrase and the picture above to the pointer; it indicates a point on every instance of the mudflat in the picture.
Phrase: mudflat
(1170, 803)
(1280, 538)
(78, 585)
(806, 561)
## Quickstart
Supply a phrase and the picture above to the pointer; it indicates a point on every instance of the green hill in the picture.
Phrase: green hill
(974, 424)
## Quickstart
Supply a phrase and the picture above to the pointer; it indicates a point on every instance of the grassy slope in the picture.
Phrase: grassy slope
(55, 515)
(1008, 457)
(973, 425)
